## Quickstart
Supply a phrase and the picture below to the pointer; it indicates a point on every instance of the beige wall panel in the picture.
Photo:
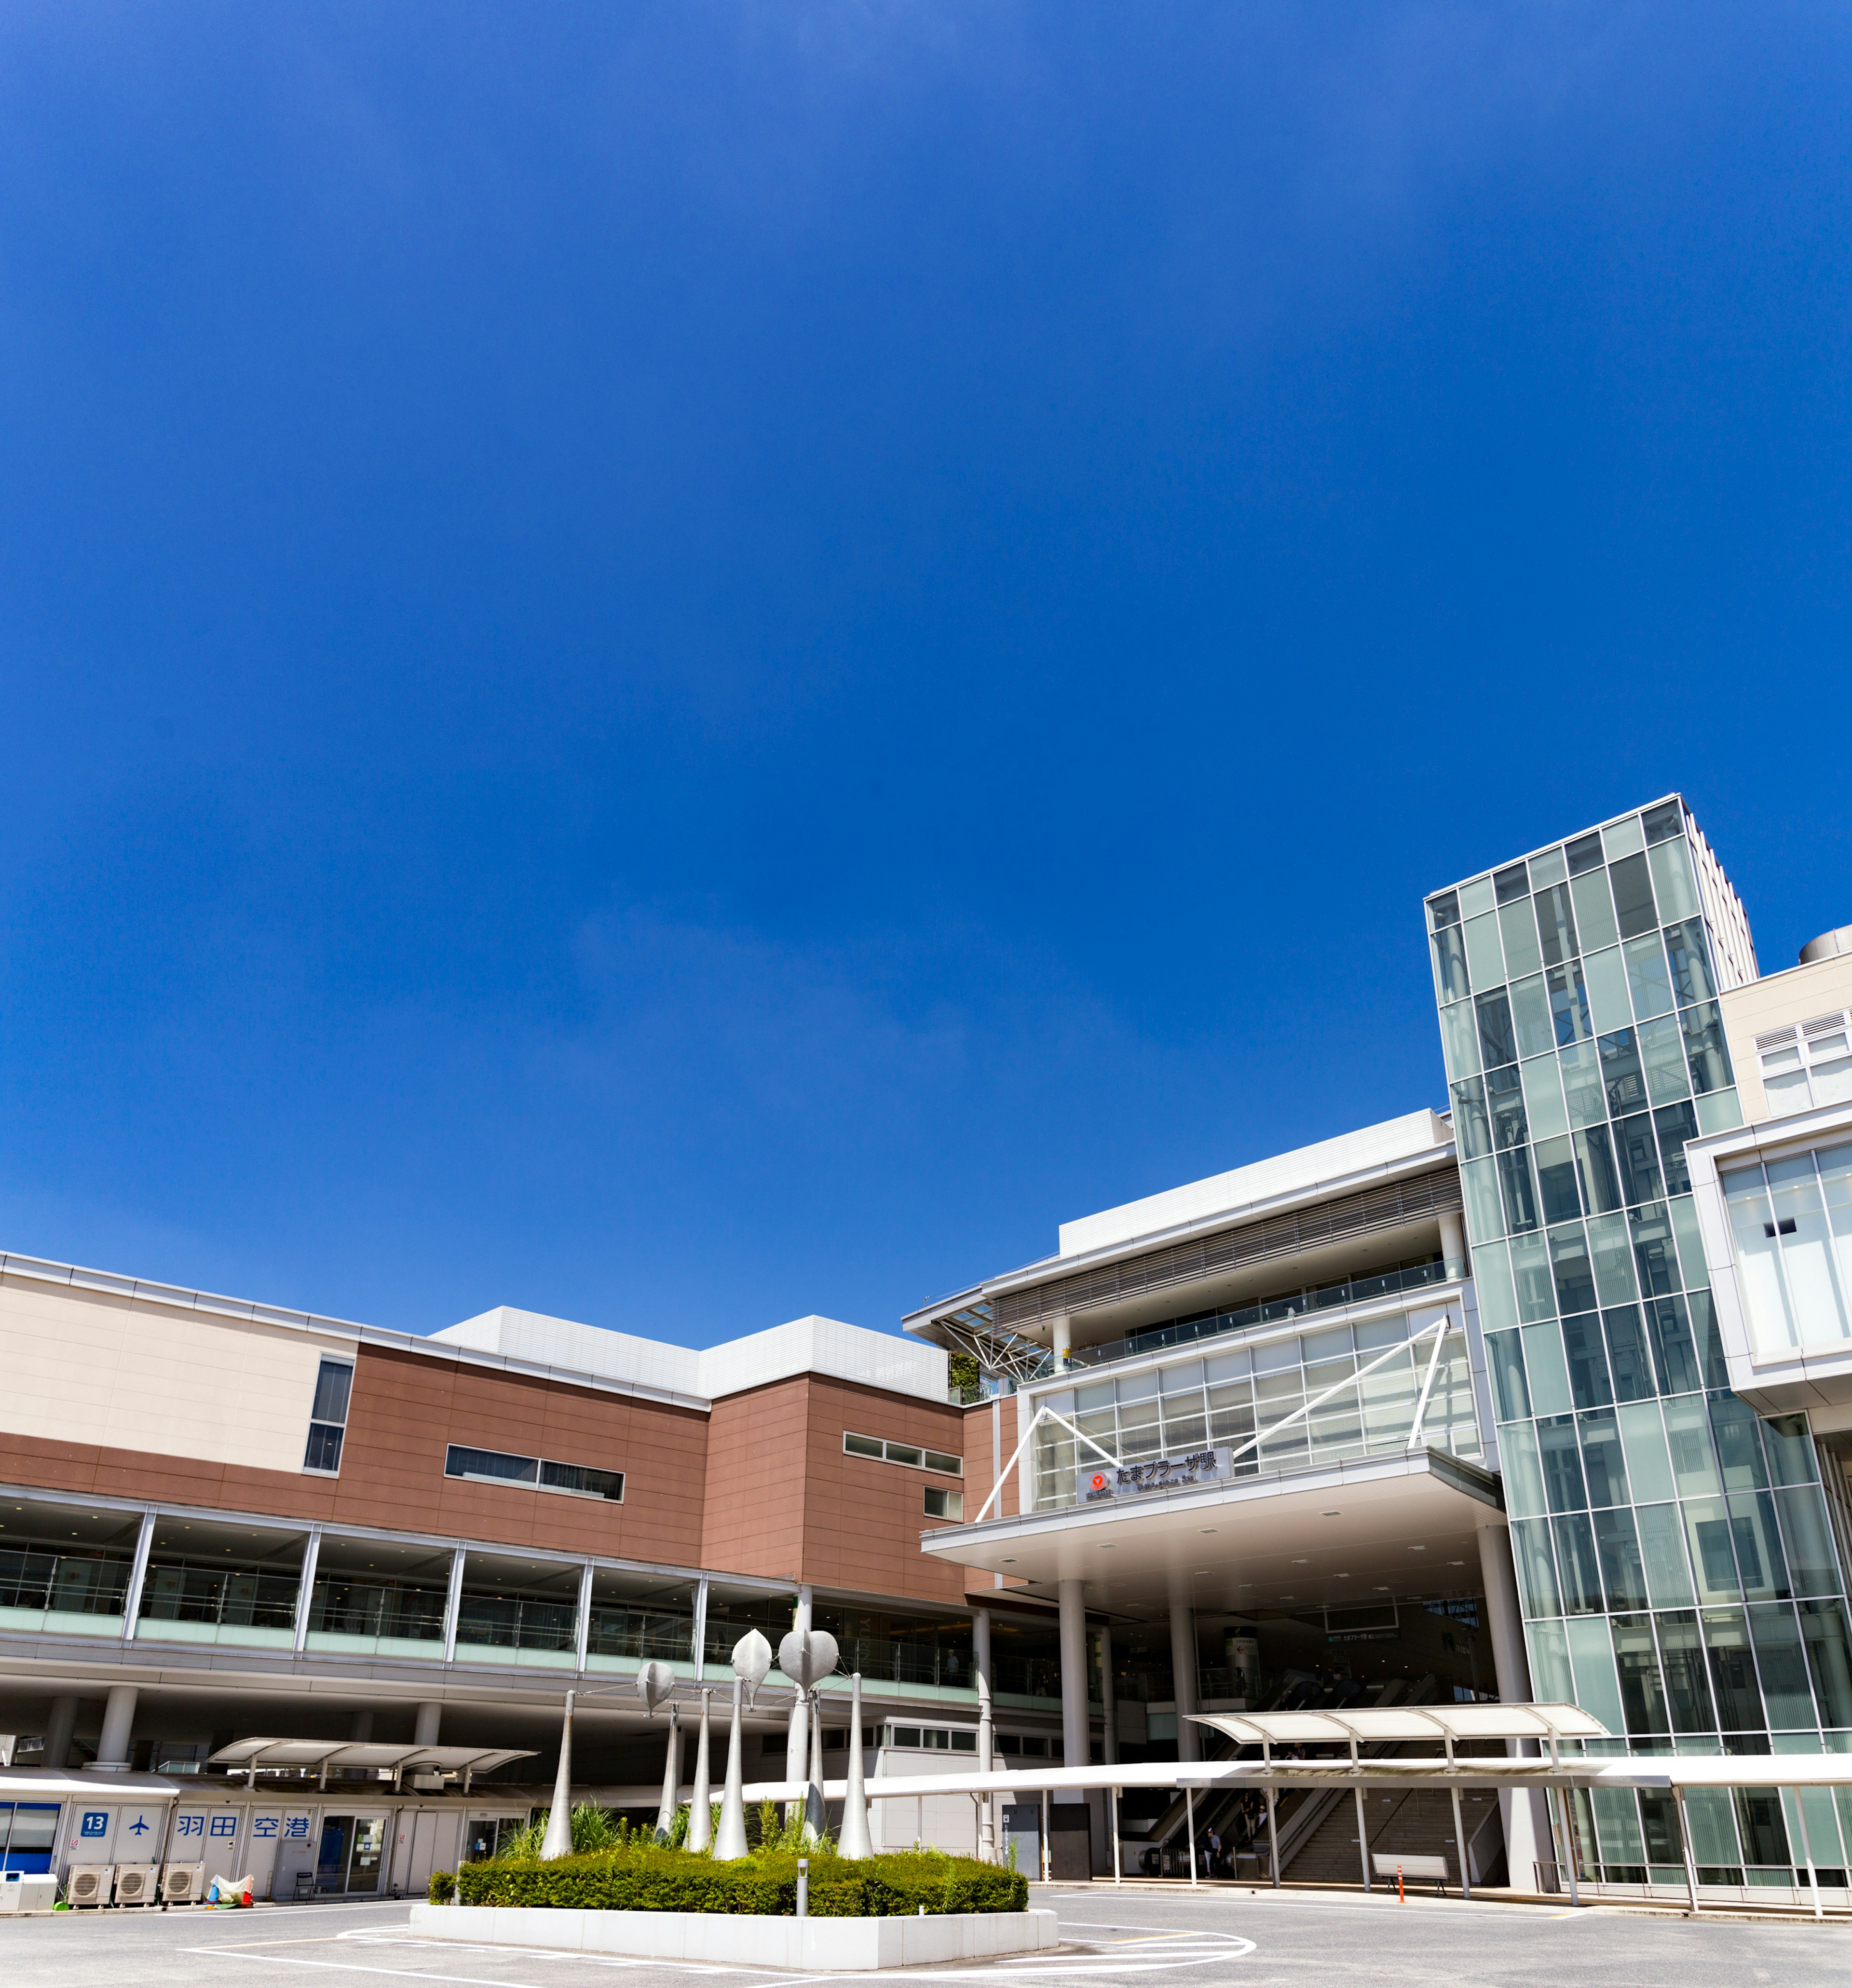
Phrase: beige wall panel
(89, 1367)
(1783, 1001)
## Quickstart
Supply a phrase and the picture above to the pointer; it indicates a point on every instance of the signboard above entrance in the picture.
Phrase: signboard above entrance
(1104, 1481)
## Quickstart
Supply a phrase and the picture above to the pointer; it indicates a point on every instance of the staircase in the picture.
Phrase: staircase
(1415, 1822)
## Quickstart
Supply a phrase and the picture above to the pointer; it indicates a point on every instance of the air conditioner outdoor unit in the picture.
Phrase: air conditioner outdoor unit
(135, 1884)
(22, 1893)
(88, 1884)
(181, 1883)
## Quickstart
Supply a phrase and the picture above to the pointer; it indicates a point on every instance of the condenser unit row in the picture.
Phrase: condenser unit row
(132, 1885)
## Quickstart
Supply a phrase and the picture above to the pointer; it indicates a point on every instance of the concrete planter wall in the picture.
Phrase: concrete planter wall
(846, 1946)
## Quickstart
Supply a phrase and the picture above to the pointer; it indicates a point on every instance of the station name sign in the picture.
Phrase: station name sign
(1105, 1481)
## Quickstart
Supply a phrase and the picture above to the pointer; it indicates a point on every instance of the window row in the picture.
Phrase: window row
(1629, 1353)
(1674, 1555)
(879, 1451)
(494, 1466)
(1642, 1452)
(1791, 1221)
(1572, 1266)
(1805, 1067)
(1409, 1275)
(1484, 934)
(1778, 1667)
(1632, 1837)
(1267, 1416)
(1601, 1072)
(1593, 1168)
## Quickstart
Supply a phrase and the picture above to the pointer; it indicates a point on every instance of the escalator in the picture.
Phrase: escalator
(1238, 1815)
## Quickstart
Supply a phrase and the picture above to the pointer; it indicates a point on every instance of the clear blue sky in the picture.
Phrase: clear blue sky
(681, 664)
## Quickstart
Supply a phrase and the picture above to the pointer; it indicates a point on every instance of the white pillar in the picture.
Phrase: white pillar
(1453, 1242)
(118, 1725)
(430, 1718)
(1063, 1335)
(797, 1737)
(1183, 1666)
(987, 1737)
(58, 1728)
(1526, 1827)
(1075, 1722)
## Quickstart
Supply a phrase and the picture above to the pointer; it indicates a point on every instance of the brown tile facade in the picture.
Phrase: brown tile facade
(761, 1486)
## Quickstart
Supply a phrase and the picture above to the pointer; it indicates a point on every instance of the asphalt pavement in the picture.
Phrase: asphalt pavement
(1145, 1938)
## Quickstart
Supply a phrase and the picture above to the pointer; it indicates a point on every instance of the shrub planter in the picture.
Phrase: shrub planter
(818, 1945)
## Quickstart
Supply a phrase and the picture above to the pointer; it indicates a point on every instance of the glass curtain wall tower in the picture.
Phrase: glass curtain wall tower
(1676, 1563)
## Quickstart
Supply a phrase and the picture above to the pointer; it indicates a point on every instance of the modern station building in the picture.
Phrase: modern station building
(1546, 1394)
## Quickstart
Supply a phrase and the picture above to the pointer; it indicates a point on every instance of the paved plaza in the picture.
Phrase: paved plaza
(1149, 1939)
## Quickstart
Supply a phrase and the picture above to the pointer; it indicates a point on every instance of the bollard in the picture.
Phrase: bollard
(1401, 1897)
(804, 1888)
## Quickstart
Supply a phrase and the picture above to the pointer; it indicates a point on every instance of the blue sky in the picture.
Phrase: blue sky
(681, 664)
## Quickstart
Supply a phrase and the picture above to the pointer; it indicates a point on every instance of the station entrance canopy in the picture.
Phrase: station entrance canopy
(319, 1755)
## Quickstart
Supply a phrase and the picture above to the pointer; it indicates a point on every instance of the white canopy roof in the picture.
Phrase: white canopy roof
(364, 1754)
(1368, 1726)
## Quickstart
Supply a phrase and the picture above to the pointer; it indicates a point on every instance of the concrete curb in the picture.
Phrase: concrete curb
(818, 1945)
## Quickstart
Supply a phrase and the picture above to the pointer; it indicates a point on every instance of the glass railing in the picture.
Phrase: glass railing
(645, 1633)
(220, 1596)
(350, 1608)
(63, 1583)
(1278, 1311)
(510, 1623)
(1027, 1677)
(901, 1662)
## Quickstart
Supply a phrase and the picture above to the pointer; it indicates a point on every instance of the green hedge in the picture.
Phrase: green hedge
(648, 1878)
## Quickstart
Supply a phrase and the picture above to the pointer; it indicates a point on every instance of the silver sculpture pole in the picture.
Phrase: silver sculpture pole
(806, 1656)
(671, 1777)
(853, 1840)
(557, 1840)
(817, 1816)
(700, 1817)
(731, 1840)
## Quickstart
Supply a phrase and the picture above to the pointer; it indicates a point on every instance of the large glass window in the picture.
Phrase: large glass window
(328, 1416)
(1792, 1229)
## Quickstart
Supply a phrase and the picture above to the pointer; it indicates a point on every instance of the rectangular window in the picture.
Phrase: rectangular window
(906, 1453)
(494, 1466)
(943, 1504)
(328, 1416)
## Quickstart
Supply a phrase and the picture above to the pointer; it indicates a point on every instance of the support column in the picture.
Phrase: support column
(701, 1627)
(58, 1728)
(1526, 1822)
(1062, 1335)
(1108, 1703)
(987, 1738)
(359, 1728)
(581, 1619)
(138, 1575)
(431, 1718)
(118, 1729)
(1075, 1722)
(797, 1737)
(305, 1590)
(453, 1605)
(1183, 1669)
(996, 1462)
(1453, 1242)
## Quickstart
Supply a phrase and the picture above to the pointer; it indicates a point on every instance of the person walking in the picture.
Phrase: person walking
(1212, 1860)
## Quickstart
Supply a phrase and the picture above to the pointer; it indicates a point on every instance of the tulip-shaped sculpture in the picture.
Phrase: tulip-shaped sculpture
(807, 1656)
(853, 1840)
(700, 1817)
(751, 1659)
(654, 1682)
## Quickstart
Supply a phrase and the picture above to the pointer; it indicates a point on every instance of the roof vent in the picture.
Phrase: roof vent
(1827, 946)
